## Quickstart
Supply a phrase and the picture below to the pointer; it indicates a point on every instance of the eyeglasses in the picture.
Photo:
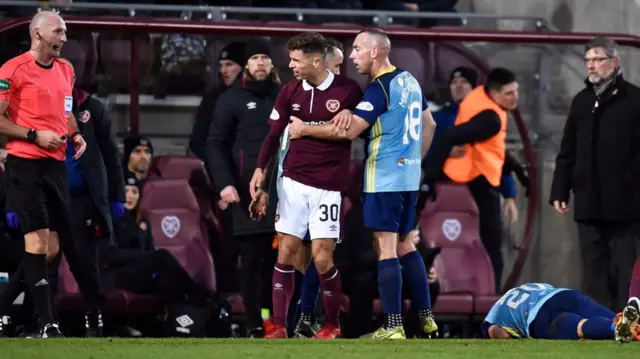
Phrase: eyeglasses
(595, 60)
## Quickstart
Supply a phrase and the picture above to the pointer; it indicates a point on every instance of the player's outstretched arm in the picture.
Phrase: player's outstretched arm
(298, 129)
(428, 129)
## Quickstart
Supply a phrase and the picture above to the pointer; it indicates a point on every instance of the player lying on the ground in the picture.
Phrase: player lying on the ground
(540, 311)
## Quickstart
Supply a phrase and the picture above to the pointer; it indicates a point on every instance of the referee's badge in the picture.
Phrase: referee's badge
(84, 116)
(68, 104)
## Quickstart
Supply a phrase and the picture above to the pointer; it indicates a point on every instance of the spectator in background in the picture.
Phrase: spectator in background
(599, 160)
(138, 153)
(238, 127)
(133, 263)
(481, 126)
(231, 61)
(96, 190)
(462, 81)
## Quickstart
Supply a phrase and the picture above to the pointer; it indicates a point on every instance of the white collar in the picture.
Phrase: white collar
(323, 86)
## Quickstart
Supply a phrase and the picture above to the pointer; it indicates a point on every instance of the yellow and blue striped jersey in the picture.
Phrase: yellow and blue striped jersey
(393, 105)
(518, 307)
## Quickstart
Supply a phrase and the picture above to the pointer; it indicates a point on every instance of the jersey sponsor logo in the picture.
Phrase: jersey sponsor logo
(333, 105)
(365, 106)
(4, 85)
(274, 115)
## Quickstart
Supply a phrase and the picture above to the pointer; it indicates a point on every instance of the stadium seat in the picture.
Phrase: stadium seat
(452, 223)
(173, 211)
(70, 299)
(192, 169)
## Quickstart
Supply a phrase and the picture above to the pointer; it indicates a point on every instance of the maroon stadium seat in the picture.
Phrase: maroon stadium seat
(192, 169)
(69, 298)
(173, 211)
(452, 223)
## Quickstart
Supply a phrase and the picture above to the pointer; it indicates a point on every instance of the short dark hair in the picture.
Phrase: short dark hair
(499, 77)
(308, 43)
(374, 31)
(331, 42)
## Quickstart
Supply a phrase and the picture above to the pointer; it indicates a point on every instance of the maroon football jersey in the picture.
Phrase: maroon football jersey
(317, 163)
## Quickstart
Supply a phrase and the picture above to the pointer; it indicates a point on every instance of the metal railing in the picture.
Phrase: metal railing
(218, 13)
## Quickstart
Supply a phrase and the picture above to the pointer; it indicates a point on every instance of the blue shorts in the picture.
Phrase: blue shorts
(393, 212)
(546, 324)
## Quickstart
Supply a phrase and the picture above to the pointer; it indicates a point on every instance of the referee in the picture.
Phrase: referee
(36, 95)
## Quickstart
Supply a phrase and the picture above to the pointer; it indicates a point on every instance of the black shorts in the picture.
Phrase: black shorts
(37, 191)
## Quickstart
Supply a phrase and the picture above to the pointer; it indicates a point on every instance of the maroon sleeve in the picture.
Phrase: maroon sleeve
(278, 121)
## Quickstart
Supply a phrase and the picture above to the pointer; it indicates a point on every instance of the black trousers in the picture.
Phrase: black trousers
(487, 199)
(80, 248)
(157, 272)
(608, 252)
(257, 259)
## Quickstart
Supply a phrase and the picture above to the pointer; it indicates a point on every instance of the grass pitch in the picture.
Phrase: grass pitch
(310, 349)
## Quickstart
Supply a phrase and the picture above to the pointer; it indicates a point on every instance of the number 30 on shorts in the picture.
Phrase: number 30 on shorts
(329, 212)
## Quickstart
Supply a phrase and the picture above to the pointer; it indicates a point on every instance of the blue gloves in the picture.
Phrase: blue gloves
(117, 210)
(12, 220)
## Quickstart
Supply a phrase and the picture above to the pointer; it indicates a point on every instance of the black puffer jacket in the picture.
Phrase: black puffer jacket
(239, 125)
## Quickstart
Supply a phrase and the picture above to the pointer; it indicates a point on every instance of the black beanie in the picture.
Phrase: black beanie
(256, 46)
(466, 73)
(234, 51)
(132, 181)
(130, 144)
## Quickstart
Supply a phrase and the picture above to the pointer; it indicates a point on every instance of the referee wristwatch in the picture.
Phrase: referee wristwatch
(31, 136)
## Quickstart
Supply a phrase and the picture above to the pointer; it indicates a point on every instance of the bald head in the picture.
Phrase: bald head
(43, 19)
(48, 34)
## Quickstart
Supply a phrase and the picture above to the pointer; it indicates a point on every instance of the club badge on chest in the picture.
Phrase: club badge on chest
(333, 105)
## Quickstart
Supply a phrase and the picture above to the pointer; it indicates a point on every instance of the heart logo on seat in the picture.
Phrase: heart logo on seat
(451, 228)
(170, 226)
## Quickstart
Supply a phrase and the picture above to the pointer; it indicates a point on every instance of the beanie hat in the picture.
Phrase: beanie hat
(234, 51)
(132, 181)
(131, 142)
(256, 46)
(466, 73)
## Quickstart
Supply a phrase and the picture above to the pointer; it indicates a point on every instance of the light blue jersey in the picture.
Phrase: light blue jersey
(282, 154)
(393, 105)
(517, 308)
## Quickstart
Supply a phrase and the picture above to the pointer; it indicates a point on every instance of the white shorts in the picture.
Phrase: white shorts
(303, 209)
